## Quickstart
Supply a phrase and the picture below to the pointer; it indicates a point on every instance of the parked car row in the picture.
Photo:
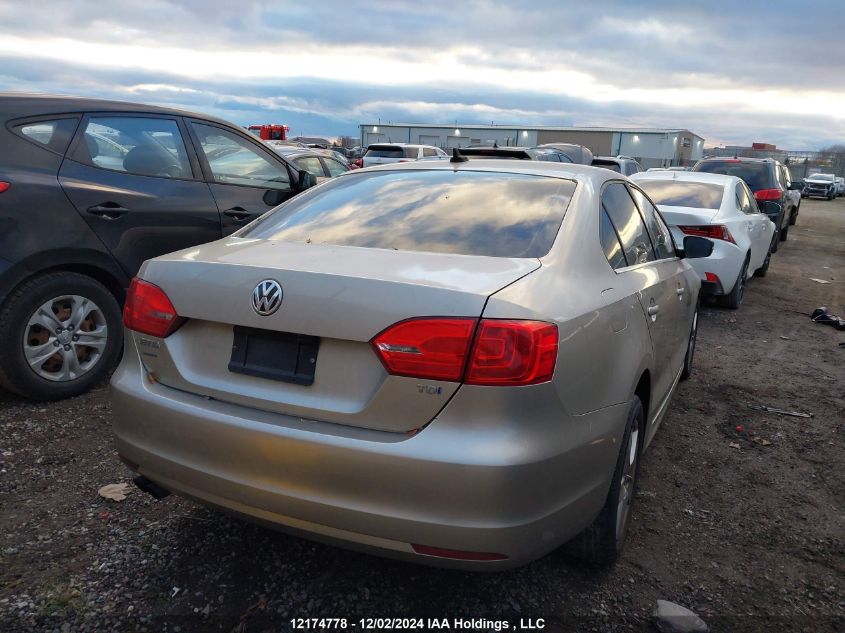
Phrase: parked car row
(333, 365)
(403, 323)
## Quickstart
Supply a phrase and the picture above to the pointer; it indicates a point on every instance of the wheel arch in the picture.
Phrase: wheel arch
(97, 265)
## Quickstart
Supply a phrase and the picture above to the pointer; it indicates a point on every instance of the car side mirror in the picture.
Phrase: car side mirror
(306, 180)
(795, 186)
(696, 247)
(275, 197)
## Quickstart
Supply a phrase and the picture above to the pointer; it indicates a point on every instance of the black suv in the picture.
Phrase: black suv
(89, 189)
(769, 180)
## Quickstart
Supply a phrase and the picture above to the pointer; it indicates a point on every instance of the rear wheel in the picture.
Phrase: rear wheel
(733, 299)
(794, 217)
(602, 542)
(62, 334)
(784, 231)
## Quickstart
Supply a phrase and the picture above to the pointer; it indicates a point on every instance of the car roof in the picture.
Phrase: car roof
(19, 104)
(580, 173)
(738, 159)
(686, 176)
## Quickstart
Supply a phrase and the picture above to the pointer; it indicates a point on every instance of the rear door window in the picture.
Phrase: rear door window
(466, 212)
(54, 134)
(744, 199)
(660, 237)
(135, 145)
(610, 242)
(623, 212)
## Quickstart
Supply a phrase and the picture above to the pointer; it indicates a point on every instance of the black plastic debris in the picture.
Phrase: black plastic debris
(821, 315)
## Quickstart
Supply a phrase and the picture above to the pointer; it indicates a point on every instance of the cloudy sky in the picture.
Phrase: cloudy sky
(734, 72)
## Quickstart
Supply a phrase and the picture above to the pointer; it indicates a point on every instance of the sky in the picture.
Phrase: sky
(733, 72)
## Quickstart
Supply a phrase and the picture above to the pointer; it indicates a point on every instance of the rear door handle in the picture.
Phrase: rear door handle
(652, 311)
(680, 291)
(108, 210)
(238, 213)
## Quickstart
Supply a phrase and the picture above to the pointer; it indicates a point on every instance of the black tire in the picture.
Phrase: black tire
(602, 542)
(16, 373)
(775, 242)
(794, 217)
(686, 372)
(733, 299)
(764, 269)
(784, 232)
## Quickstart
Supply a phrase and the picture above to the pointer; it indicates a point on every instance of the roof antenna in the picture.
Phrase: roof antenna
(457, 157)
(495, 145)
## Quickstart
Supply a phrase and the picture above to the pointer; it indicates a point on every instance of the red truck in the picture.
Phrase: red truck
(270, 131)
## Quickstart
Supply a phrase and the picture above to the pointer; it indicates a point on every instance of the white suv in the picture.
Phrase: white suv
(383, 153)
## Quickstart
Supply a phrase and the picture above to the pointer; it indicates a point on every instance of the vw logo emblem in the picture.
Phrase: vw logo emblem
(267, 297)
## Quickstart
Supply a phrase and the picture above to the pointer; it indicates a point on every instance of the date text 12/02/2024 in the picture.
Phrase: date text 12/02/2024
(416, 624)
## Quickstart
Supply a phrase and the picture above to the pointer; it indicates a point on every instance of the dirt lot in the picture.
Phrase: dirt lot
(748, 534)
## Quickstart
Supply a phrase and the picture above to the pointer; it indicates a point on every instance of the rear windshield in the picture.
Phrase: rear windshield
(675, 193)
(466, 213)
(391, 151)
(607, 165)
(756, 175)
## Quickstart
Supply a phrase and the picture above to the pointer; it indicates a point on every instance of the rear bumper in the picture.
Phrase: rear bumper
(458, 484)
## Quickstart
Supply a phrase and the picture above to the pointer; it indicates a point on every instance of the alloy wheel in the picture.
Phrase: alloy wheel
(65, 337)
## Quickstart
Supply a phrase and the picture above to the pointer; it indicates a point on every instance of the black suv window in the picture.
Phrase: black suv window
(136, 145)
(756, 175)
(54, 134)
(628, 223)
(234, 160)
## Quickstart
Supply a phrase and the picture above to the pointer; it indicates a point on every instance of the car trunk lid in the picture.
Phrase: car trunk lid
(342, 296)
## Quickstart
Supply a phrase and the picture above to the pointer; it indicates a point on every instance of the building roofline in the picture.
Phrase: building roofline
(550, 128)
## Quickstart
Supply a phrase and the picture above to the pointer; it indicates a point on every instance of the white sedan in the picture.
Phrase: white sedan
(720, 208)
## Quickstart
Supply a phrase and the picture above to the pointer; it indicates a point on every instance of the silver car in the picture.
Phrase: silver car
(453, 362)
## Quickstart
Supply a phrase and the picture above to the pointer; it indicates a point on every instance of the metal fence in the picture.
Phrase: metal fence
(801, 164)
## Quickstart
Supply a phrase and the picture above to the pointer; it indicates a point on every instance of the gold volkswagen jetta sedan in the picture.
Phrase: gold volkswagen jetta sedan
(453, 362)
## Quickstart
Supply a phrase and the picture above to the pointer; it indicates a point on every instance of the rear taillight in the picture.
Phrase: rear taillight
(502, 353)
(426, 348)
(512, 353)
(149, 311)
(713, 278)
(713, 231)
(4, 186)
(768, 194)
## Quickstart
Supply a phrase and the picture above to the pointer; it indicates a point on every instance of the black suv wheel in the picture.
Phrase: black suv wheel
(62, 334)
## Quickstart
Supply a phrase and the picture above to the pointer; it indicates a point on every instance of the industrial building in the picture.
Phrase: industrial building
(651, 147)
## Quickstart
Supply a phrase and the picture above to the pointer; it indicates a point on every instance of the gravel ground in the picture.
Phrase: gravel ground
(748, 533)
